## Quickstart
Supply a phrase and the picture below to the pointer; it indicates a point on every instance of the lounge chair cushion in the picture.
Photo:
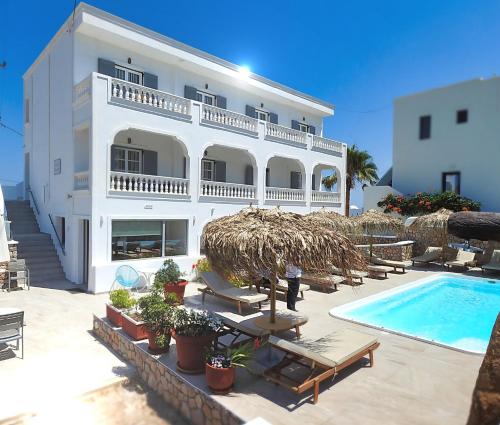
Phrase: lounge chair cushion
(378, 269)
(331, 350)
(222, 287)
(463, 259)
(323, 279)
(391, 263)
(283, 285)
(354, 273)
(432, 253)
(494, 263)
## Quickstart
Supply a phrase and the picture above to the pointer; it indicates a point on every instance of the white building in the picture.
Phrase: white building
(134, 141)
(446, 139)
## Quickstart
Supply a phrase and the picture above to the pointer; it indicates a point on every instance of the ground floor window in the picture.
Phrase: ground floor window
(451, 182)
(135, 239)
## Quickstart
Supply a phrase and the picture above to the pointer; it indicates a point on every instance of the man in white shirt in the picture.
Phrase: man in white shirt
(292, 274)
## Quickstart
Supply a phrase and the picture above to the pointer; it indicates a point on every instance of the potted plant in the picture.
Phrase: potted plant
(158, 314)
(194, 331)
(120, 299)
(169, 276)
(220, 367)
(133, 324)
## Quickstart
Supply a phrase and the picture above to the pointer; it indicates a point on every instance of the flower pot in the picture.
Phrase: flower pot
(219, 380)
(114, 315)
(191, 352)
(153, 347)
(133, 328)
(177, 289)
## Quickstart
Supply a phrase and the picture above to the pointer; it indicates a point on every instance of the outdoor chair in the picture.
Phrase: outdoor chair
(463, 259)
(431, 254)
(378, 271)
(355, 274)
(322, 282)
(127, 277)
(282, 286)
(18, 273)
(11, 329)
(323, 359)
(494, 264)
(391, 263)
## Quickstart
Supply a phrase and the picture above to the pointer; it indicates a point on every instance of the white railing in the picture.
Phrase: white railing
(141, 183)
(81, 180)
(219, 116)
(325, 197)
(284, 194)
(287, 134)
(82, 91)
(326, 144)
(227, 190)
(146, 96)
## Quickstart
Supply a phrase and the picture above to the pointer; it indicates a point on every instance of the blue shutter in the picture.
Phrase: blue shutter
(273, 118)
(150, 80)
(295, 182)
(295, 125)
(220, 171)
(312, 129)
(267, 177)
(150, 162)
(106, 67)
(190, 92)
(113, 158)
(220, 102)
(250, 111)
(249, 175)
(313, 182)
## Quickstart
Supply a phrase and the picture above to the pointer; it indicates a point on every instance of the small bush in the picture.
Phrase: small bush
(191, 322)
(169, 272)
(121, 299)
(202, 265)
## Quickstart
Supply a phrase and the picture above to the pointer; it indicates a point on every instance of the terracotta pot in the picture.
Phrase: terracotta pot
(176, 288)
(153, 347)
(114, 315)
(191, 352)
(134, 329)
(220, 381)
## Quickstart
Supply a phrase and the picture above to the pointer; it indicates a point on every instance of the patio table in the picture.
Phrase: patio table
(148, 273)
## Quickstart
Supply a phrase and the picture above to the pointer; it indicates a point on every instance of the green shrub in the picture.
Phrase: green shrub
(121, 299)
(191, 322)
(169, 272)
(158, 315)
(202, 265)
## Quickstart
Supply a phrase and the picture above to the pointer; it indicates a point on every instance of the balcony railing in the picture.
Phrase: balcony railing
(285, 194)
(325, 197)
(326, 144)
(285, 134)
(224, 118)
(81, 180)
(138, 94)
(227, 190)
(82, 92)
(150, 185)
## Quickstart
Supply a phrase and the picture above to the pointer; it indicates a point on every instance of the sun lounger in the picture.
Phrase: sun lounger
(282, 286)
(432, 253)
(355, 274)
(322, 282)
(463, 259)
(494, 263)
(378, 271)
(221, 288)
(324, 358)
(391, 263)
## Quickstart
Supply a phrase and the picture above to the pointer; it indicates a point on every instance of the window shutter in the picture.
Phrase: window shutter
(190, 92)
(150, 81)
(295, 178)
(150, 162)
(106, 67)
(267, 177)
(220, 171)
(312, 129)
(249, 175)
(113, 158)
(273, 118)
(220, 102)
(250, 111)
(295, 124)
(313, 182)
(184, 167)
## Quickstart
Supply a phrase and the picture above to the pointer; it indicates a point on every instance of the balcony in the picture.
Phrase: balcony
(285, 194)
(81, 180)
(282, 134)
(326, 145)
(229, 120)
(324, 197)
(227, 190)
(142, 184)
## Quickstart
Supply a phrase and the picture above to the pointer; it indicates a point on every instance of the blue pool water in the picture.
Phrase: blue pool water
(452, 310)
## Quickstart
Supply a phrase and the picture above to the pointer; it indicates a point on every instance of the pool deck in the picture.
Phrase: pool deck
(412, 382)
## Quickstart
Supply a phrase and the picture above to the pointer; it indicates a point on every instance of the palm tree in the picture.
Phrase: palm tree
(360, 169)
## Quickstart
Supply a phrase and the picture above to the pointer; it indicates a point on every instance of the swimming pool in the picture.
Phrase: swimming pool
(447, 309)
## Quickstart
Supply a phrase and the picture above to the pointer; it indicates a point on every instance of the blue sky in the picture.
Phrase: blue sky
(359, 55)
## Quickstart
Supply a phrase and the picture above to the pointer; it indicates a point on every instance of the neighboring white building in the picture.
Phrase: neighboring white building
(446, 139)
(134, 141)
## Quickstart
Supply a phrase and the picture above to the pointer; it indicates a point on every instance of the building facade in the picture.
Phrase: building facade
(446, 139)
(134, 141)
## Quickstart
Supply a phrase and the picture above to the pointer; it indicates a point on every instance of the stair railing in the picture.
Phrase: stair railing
(34, 200)
(57, 235)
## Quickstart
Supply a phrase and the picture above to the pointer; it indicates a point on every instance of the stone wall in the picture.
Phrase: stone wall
(4, 277)
(195, 405)
(395, 252)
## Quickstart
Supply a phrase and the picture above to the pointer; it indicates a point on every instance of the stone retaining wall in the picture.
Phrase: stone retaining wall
(4, 277)
(395, 252)
(193, 403)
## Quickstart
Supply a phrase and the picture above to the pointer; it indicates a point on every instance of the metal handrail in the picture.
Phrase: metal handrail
(57, 235)
(34, 200)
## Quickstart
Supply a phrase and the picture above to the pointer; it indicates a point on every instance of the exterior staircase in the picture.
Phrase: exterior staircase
(34, 246)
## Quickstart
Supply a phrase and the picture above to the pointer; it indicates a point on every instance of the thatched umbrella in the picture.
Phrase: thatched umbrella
(484, 226)
(437, 221)
(258, 241)
(373, 222)
(332, 220)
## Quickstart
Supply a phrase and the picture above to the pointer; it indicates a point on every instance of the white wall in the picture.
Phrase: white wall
(472, 148)
(374, 194)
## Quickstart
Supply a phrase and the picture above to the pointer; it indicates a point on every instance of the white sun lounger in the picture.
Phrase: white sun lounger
(494, 263)
(391, 263)
(432, 253)
(463, 259)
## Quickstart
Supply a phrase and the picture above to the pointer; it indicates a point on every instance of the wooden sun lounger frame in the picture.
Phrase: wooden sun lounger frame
(319, 372)
(209, 291)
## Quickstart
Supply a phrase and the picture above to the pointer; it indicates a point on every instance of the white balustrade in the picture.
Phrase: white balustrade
(82, 91)
(146, 96)
(81, 180)
(325, 197)
(227, 190)
(284, 194)
(286, 134)
(326, 144)
(141, 183)
(219, 116)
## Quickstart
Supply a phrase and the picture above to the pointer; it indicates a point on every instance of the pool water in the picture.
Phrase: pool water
(455, 311)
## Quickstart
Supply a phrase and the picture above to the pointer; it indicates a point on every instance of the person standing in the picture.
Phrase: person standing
(292, 275)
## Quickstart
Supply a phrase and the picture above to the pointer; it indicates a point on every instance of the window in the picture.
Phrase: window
(26, 111)
(127, 160)
(451, 182)
(462, 116)
(303, 127)
(207, 170)
(425, 127)
(261, 115)
(128, 74)
(204, 97)
(136, 239)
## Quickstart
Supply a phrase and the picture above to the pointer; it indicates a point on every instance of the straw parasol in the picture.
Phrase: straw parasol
(437, 221)
(259, 241)
(332, 220)
(373, 221)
